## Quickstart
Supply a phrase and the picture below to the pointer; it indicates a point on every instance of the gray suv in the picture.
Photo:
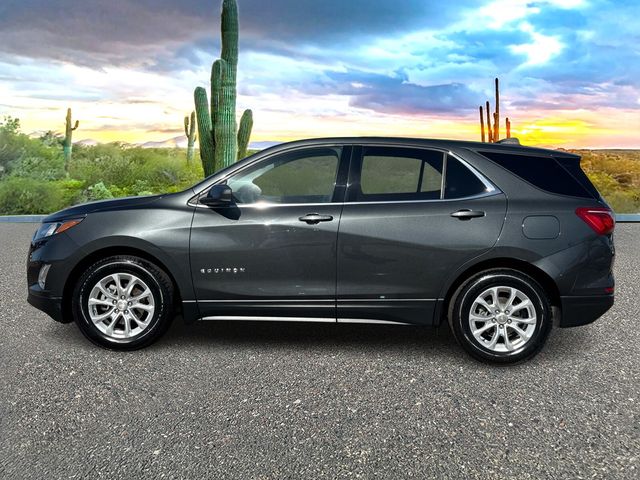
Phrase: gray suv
(501, 241)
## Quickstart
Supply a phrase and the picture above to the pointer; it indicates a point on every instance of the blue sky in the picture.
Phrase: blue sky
(570, 69)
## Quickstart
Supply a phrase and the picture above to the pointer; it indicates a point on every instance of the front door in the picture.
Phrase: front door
(406, 226)
(272, 253)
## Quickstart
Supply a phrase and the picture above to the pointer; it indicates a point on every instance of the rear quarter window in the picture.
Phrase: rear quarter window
(460, 181)
(546, 173)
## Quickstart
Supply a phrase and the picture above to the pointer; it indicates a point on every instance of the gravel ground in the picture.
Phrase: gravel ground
(225, 400)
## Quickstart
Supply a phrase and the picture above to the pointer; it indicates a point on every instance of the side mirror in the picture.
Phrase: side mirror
(218, 196)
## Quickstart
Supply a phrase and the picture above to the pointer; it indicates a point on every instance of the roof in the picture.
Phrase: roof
(424, 142)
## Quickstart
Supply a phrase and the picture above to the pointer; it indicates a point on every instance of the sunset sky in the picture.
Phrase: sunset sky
(570, 69)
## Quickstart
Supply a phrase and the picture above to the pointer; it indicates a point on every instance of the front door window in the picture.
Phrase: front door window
(307, 176)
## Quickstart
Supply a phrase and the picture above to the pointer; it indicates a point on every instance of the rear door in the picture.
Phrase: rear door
(412, 217)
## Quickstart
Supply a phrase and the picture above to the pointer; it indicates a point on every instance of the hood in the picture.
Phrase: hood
(101, 206)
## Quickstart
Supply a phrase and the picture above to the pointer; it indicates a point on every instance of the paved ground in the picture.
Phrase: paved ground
(315, 401)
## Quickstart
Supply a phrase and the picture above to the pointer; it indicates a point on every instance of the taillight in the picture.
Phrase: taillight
(598, 218)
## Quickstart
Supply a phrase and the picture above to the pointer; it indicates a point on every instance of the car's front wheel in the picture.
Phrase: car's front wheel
(501, 316)
(123, 302)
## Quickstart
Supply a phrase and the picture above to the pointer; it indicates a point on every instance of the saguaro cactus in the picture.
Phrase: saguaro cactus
(190, 132)
(489, 128)
(496, 115)
(67, 145)
(493, 120)
(244, 132)
(221, 142)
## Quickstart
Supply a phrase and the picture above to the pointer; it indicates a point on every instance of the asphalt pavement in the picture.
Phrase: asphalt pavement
(316, 401)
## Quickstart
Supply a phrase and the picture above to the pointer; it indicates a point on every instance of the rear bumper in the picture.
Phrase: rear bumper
(578, 311)
(52, 306)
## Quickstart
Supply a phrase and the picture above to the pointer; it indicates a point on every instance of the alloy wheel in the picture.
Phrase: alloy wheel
(502, 319)
(121, 305)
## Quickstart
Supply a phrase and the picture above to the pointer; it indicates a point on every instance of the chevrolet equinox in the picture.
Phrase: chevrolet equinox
(502, 241)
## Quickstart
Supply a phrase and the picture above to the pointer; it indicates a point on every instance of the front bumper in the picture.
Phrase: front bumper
(578, 311)
(52, 306)
(61, 253)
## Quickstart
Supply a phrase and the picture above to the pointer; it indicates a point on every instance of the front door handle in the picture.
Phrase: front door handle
(467, 214)
(314, 218)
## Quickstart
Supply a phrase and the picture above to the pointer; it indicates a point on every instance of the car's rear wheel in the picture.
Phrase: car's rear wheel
(123, 302)
(501, 316)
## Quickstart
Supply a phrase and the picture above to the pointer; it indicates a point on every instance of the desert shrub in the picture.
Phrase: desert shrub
(99, 192)
(616, 174)
(27, 157)
(46, 165)
(132, 170)
(102, 163)
(21, 196)
(73, 191)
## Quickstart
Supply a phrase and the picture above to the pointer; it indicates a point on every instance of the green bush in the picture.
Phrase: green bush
(23, 196)
(33, 178)
(46, 167)
(99, 192)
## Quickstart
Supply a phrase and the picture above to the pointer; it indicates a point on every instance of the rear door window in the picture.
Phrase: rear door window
(396, 173)
(403, 174)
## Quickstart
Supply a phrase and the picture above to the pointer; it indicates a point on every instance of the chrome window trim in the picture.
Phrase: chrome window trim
(265, 206)
(491, 189)
(440, 200)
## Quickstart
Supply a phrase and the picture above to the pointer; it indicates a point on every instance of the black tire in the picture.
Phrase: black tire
(158, 283)
(462, 302)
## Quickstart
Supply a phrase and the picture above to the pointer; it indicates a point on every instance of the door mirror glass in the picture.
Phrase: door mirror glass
(218, 196)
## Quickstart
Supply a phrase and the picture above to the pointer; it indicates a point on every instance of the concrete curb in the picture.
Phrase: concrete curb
(21, 218)
(628, 217)
(620, 218)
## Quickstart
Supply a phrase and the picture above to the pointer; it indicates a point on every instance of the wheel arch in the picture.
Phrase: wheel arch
(106, 252)
(539, 275)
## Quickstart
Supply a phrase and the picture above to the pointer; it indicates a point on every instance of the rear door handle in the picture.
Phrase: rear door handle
(467, 214)
(314, 218)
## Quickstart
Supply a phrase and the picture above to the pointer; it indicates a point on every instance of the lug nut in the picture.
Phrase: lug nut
(129, 303)
(122, 297)
(509, 321)
(114, 302)
(507, 312)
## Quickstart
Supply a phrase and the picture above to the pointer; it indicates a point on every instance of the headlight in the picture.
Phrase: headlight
(49, 229)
